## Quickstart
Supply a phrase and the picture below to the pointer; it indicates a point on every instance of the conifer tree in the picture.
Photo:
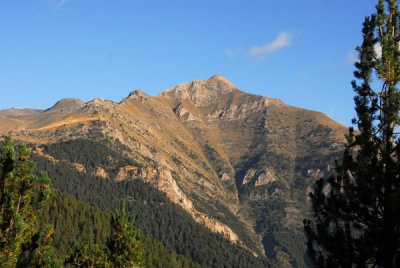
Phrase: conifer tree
(125, 243)
(357, 210)
(21, 195)
(88, 255)
(38, 252)
(124, 247)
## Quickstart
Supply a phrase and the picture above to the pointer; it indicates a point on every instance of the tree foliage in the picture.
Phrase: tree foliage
(82, 232)
(39, 252)
(125, 241)
(89, 255)
(357, 211)
(22, 195)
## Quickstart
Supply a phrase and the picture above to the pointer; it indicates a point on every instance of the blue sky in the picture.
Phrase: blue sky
(300, 51)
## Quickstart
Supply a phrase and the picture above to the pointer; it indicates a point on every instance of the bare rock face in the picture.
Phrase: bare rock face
(137, 95)
(258, 177)
(164, 181)
(183, 113)
(168, 185)
(264, 178)
(161, 177)
(249, 176)
(127, 173)
(225, 177)
(100, 172)
(201, 92)
(221, 84)
(241, 111)
(79, 167)
(216, 226)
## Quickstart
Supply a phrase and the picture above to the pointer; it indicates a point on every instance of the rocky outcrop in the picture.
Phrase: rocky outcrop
(241, 111)
(258, 177)
(137, 95)
(201, 92)
(127, 173)
(164, 181)
(249, 176)
(100, 172)
(225, 177)
(79, 167)
(183, 113)
(215, 226)
(265, 177)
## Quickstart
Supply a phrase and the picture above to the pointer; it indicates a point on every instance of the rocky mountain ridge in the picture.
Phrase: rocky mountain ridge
(239, 163)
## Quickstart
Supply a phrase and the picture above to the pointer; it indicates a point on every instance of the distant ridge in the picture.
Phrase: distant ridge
(18, 112)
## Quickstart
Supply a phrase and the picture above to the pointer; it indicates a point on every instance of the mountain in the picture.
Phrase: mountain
(241, 164)
(66, 105)
(16, 112)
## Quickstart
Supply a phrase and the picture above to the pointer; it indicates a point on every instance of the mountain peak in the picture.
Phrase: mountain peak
(221, 84)
(201, 92)
(67, 105)
(222, 81)
(136, 93)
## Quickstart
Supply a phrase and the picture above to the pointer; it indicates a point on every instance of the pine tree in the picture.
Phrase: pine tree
(125, 243)
(357, 211)
(88, 255)
(22, 194)
(38, 252)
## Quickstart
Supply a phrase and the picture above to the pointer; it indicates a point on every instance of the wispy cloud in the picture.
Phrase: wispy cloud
(59, 3)
(284, 39)
(378, 50)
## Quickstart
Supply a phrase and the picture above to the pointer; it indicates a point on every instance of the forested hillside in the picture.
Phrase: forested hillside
(77, 224)
(156, 216)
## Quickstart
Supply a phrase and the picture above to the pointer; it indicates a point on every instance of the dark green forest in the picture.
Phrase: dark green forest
(76, 224)
(168, 228)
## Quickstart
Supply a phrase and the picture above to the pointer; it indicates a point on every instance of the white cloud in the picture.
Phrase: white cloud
(284, 39)
(378, 50)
